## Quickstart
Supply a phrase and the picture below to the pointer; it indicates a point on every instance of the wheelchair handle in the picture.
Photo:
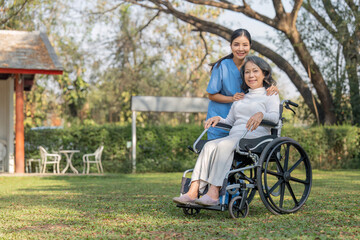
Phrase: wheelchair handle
(288, 102)
(292, 103)
(223, 126)
(198, 139)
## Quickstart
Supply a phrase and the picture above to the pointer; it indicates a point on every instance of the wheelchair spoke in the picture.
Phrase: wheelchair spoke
(296, 164)
(286, 160)
(240, 212)
(247, 178)
(191, 211)
(282, 193)
(237, 211)
(292, 194)
(299, 180)
(278, 164)
(274, 173)
(275, 185)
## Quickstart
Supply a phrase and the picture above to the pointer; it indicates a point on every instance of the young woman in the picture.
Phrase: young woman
(217, 155)
(224, 85)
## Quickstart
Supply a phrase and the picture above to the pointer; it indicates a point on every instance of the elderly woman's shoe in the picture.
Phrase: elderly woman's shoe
(183, 199)
(207, 201)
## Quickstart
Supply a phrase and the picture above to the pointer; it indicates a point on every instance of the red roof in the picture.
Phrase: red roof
(27, 53)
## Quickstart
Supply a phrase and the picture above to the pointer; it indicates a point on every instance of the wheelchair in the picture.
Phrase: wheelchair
(277, 167)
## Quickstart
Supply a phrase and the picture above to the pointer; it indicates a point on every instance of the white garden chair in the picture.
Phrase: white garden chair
(29, 165)
(50, 158)
(93, 158)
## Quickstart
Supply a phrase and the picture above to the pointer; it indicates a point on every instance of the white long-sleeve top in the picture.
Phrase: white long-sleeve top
(254, 101)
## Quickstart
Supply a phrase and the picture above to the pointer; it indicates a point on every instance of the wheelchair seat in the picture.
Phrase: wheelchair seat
(255, 145)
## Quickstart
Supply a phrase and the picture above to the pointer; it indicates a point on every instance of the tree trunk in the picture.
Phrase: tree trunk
(315, 77)
(350, 55)
(294, 77)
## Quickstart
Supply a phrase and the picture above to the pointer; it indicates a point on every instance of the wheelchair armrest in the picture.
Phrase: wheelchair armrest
(228, 127)
(224, 126)
(268, 123)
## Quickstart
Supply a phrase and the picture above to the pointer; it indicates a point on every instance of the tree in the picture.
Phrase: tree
(344, 27)
(285, 22)
(10, 9)
(162, 65)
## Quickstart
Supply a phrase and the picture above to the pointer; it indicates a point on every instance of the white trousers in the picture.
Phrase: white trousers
(215, 161)
(217, 155)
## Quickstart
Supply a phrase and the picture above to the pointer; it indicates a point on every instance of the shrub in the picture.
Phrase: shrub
(164, 148)
(329, 147)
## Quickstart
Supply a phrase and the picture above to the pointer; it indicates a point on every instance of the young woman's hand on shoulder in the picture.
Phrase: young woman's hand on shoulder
(272, 90)
(238, 96)
(217, 97)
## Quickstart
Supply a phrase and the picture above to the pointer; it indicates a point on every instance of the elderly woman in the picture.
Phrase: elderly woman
(224, 86)
(216, 157)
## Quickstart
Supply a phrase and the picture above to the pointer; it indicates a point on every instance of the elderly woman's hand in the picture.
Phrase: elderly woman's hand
(238, 96)
(272, 90)
(254, 121)
(212, 122)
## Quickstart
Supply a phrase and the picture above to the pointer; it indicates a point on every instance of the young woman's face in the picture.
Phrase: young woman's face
(240, 47)
(254, 76)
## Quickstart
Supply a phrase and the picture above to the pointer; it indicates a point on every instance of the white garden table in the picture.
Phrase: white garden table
(69, 154)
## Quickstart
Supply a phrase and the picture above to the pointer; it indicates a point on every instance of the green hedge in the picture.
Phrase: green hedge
(329, 147)
(164, 148)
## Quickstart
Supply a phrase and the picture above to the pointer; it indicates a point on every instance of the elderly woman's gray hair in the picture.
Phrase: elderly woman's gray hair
(264, 66)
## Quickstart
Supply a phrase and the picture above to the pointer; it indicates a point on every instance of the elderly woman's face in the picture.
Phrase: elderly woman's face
(254, 76)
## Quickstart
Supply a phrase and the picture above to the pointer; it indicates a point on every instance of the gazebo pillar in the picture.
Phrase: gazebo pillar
(19, 125)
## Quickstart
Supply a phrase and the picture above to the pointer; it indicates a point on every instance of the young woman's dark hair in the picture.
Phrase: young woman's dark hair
(237, 33)
(265, 68)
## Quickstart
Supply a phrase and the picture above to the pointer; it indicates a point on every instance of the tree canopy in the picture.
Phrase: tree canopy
(112, 50)
(341, 19)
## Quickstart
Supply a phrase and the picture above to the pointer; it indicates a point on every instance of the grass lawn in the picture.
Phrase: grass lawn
(140, 207)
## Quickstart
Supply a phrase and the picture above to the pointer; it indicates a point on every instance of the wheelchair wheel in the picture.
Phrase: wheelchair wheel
(284, 177)
(191, 211)
(234, 208)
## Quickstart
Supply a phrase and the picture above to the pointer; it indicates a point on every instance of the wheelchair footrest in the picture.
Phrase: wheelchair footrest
(196, 206)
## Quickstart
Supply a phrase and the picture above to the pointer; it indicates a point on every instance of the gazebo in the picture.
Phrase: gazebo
(22, 55)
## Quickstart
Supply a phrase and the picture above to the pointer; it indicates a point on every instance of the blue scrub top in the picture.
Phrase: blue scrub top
(226, 80)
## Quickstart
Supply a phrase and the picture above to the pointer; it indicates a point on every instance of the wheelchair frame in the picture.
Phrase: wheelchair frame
(237, 195)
